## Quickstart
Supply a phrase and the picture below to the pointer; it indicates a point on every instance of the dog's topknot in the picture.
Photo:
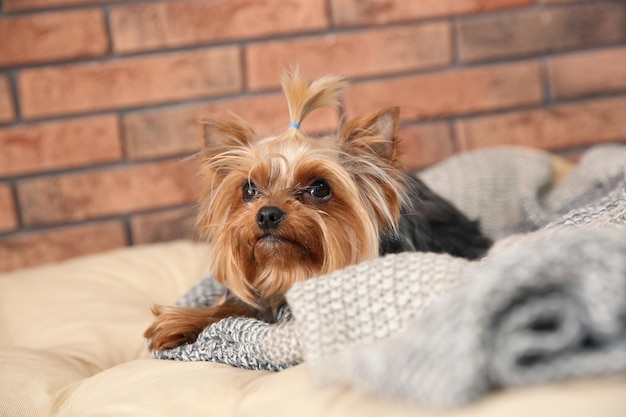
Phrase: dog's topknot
(303, 97)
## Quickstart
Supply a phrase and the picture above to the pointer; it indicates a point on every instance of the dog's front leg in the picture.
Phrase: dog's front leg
(175, 326)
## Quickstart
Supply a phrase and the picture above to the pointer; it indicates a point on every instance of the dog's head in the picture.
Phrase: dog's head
(282, 209)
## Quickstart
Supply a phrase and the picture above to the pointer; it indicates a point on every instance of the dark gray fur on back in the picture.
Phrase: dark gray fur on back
(432, 224)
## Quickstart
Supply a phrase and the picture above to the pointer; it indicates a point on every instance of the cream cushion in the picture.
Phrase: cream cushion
(71, 345)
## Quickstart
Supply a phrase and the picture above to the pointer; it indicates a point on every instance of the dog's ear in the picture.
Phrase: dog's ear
(373, 134)
(231, 130)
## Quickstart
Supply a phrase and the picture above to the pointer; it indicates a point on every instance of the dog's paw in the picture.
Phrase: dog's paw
(174, 326)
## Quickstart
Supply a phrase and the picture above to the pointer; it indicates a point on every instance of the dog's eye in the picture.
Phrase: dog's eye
(319, 189)
(249, 192)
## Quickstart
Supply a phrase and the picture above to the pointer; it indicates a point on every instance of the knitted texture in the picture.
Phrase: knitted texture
(541, 307)
(361, 303)
(429, 328)
(538, 216)
(202, 294)
(543, 311)
(595, 166)
(492, 184)
(602, 206)
(244, 343)
(369, 301)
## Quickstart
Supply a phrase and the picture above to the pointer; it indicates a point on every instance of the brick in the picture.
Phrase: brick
(541, 30)
(177, 130)
(59, 145)
(164, 132)
(425, 144)
(129, 82)
(156, 25)
(52, 37)
(164, 226)
(8, 213)
(563, 126)
(41, 247)
(588, 73)
(365, 53)
(561, 1)
(101, 193)
(449, 93)
(361, 12)
(20, 5)
(7, 111)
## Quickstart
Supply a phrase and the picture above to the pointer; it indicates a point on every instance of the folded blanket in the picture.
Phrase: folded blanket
(548, 309)
(359, 304)
(541, 307)
(442, 331)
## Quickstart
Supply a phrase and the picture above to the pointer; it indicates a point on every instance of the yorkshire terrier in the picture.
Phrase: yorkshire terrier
(283, 209)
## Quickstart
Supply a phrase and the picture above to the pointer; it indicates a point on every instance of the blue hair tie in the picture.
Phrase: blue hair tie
(294, 124)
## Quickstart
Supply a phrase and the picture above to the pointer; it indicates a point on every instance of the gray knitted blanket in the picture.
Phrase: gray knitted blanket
(547, 303)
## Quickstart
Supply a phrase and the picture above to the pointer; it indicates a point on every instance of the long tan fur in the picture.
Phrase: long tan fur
(303, 98)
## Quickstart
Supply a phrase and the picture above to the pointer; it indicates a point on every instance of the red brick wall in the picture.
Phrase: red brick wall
(99, 100)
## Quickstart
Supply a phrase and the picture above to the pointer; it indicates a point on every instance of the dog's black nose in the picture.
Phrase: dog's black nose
(269, 217)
